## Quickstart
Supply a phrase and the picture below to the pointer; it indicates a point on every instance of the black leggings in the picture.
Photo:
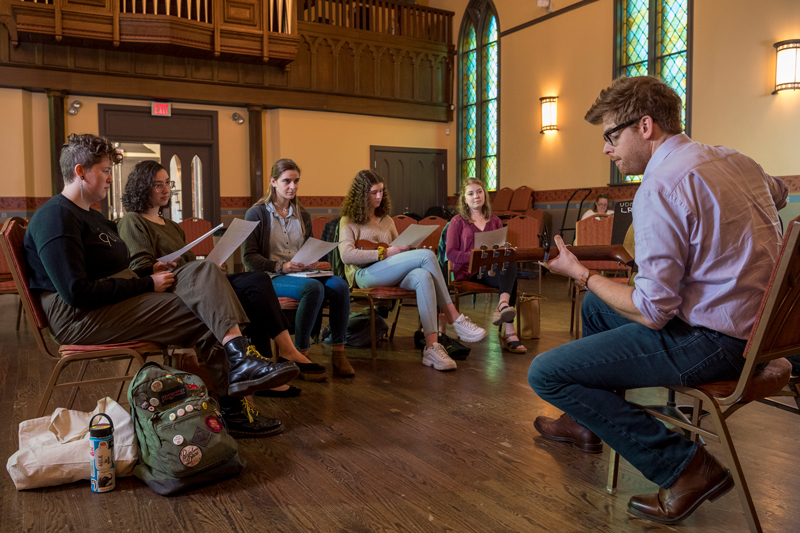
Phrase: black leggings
(258, 298)
(502, 282)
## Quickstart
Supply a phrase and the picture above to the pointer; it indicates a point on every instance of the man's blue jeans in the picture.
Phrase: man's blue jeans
(580, 378)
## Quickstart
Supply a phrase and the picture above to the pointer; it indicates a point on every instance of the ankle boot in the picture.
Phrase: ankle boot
(341, 366)
(251, 373)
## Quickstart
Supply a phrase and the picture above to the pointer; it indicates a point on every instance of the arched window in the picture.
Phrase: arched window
(654, 38)
(479, 95)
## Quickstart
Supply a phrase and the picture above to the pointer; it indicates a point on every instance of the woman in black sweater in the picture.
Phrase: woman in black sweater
(79, 265)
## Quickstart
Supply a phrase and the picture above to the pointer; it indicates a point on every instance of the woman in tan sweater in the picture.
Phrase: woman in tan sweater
(366, 216)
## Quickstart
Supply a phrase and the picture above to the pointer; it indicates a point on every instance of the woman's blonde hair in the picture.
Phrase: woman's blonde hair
(463, 208)
(280, 166)
(356, 203)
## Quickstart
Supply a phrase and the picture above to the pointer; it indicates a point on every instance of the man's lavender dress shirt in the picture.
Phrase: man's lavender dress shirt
(707, 236)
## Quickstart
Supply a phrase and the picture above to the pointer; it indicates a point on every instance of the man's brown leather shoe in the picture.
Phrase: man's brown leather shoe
(565, 429)
(704, 479)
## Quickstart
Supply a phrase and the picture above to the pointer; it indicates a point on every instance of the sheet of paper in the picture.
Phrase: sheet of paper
(174, 255)
(413, 235)
(234, 236)
(313, 250)
(490, 238)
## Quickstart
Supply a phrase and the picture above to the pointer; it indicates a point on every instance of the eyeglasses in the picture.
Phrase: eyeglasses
(164, 186)
(613, 140)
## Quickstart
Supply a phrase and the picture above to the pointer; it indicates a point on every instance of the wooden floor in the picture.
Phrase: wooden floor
(400, 447)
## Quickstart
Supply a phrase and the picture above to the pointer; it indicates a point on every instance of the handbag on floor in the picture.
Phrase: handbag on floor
(528, 320)
(54, 450)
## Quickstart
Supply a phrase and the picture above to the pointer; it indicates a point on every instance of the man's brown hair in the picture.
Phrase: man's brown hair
(629, 99)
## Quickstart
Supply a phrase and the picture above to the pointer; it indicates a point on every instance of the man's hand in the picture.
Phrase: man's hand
(566, 263)
(162, 281)
(164, 267)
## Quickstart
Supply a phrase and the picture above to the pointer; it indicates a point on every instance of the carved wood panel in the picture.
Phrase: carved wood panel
(242, 12)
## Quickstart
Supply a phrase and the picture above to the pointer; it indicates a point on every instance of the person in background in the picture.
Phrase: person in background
(600, 207)
(78, 263)
(475, 216)
(366, 216)
(284, 226)
(149, 236)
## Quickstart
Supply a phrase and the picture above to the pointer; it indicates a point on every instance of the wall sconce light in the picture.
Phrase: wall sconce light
(549, 113)
(787, 66)
(237, 118)
(74, 107)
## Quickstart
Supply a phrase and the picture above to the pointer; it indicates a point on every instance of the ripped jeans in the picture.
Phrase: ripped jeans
(580, 378)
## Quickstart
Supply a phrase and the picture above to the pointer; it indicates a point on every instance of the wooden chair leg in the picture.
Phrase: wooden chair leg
(456, 300)
(697, 411)
(613, 471)
(48, 391)
(397, 308)
(121, 384)
(736, 469)
(19, 313)
(76, 388)
(372, 327)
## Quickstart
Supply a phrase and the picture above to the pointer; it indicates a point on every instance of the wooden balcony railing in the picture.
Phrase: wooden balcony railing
(384, 16)
(233, 29)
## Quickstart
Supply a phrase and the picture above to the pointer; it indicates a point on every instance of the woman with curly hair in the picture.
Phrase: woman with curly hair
(148, 236)
(366, 216)
(78, 263)
(475, 216)
(284, 226)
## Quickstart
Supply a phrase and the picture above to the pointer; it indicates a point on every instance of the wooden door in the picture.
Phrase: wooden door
(416, 177)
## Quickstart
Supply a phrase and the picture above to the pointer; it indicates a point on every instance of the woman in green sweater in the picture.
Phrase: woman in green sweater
(148, 236)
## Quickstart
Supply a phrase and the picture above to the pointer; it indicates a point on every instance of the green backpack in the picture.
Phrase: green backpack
(183, 441)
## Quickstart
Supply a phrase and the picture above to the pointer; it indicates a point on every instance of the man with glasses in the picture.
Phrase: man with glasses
(707, 236)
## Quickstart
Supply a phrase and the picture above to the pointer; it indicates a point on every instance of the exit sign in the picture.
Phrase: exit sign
(161, 109)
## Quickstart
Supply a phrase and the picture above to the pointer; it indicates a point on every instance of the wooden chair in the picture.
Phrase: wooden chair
(13, 234)
(375, 295)
(502, 201)
(465, 288)
(317, 225)
(195, 228)
(7, 285)
(772, 338)
(401, 222)
(521, 200)
(432, 241)
(523, 232)
(588, 232)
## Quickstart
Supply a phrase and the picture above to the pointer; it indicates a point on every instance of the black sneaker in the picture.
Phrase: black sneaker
(244, 422)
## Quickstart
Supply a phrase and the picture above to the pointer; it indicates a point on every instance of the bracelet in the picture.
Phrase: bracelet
(583, 282)
(381, 253)
(279, 267)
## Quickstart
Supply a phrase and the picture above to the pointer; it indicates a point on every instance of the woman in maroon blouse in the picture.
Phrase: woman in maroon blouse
(474, 216)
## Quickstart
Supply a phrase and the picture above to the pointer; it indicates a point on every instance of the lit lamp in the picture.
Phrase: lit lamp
(549, 113)
(787, 69)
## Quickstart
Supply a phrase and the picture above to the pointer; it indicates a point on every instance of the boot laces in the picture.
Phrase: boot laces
(249, 409)
(253, 352)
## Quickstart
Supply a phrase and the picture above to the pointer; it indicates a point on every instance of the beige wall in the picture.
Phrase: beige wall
(25, 144)
(331, 148)
(734, 74)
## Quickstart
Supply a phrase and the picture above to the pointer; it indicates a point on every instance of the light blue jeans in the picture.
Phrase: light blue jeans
(415, 270)
(312, 293)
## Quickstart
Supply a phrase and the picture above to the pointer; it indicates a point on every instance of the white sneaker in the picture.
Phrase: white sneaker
(467, 331)
(436, 356)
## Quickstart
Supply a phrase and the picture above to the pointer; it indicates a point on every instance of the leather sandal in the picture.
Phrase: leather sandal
(503, 314)
(510, 346)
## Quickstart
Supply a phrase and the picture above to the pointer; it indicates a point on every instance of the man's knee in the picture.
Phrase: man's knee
(543, 374)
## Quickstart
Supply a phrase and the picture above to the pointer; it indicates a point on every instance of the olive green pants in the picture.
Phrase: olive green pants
(197, 311)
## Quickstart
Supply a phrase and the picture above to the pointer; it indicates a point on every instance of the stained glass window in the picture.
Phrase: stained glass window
(479, 96)
(654, 40)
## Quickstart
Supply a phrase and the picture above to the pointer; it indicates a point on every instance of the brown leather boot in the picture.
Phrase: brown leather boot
(565, 429)
(341, 366)
(704, 479)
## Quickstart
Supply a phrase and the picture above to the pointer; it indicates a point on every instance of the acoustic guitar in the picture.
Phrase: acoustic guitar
(363, 244)
(489, 260)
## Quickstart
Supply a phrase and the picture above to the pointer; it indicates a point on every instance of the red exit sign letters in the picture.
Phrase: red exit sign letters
(161, 109)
